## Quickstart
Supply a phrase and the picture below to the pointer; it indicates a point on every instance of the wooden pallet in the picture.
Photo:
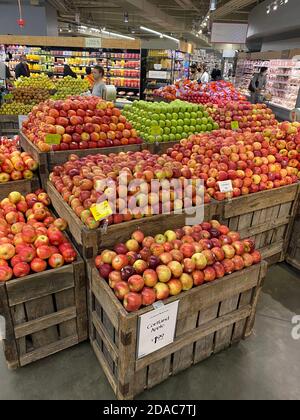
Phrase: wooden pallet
(47, 161)
(9, 125)
(45, 313)
(91, 241)
(293, 254)
(210, 318)
(267, 217)
(23, 186)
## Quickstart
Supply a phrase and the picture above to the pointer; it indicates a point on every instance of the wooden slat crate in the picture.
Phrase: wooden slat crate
(159, 148)
(210, 318)
(45, 313)
(293, 254)
(267, 217)
(9, 125)
(91, 241)
(48, 160)
(23, 186)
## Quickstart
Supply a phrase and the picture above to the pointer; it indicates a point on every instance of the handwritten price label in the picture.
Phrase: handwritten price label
(225, 186)
(53, 138)
(101, 211)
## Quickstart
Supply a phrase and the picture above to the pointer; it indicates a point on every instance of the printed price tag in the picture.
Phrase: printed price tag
(235, 125)
(21, 118)
(53, 138)
(225, 186)
(157, 329)
(156, 130)
(101, 211)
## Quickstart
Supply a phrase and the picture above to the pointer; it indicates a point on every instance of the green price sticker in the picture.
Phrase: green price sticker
(8, 96)
(156, 130)
(235, 125)
(53, 138)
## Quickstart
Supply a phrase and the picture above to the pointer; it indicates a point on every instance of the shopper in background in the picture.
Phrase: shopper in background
(216, 74)
(193, 72)
(22, 68)
(69, 72)
(50, 74)
(257, 84)
(99, 88)
(205, 76)
(5, 74)
(89, 76)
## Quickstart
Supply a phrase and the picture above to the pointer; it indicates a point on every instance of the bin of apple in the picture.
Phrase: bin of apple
(250, 117)
(9, 145)
(32, 240)
(146, 269)
(252, 161)
(15, 165)
(80, 123)
(201, 93)
(175, 121)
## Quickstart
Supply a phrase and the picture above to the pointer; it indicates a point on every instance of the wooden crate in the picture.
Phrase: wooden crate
(45, 313)
(293, 254)
(91, 241)
(48, 160)
(23, 186)
(210, 318)
(267, 217)
(9, 125)
(159, 148)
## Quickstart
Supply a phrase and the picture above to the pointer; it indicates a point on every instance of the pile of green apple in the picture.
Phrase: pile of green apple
(164, 122)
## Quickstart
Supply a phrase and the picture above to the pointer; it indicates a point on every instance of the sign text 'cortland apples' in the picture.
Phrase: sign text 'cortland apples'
(157, 329)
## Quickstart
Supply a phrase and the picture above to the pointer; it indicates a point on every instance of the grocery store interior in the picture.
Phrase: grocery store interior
(150, 200)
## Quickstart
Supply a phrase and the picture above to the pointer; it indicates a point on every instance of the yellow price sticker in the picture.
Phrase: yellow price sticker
(156, 130)
(235, 125)
(53, 138)
(101, 211)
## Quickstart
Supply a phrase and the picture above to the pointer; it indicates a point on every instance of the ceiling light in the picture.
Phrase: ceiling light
(200, 31)
(126, 17)
(117, 35)
(170, 37)
(275, 5)
(150, 30)
(213, 5)
(268, 10)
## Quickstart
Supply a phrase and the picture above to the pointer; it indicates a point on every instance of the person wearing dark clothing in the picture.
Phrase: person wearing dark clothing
(22, 68)
(69, 72)
(216, 74)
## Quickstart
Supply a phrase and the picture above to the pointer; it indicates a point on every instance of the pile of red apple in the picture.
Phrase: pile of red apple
(252, 161)
(250, 117)
(147, 269)
(218, 92)
(80, 123)
(31, 239)
(15, 165)
(8, 145)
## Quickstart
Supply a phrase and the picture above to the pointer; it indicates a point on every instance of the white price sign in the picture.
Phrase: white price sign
(22, 118)
(225, 186)
(93, 42)
(157, 329)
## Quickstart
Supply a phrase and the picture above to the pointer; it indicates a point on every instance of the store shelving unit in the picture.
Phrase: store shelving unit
(123, 67)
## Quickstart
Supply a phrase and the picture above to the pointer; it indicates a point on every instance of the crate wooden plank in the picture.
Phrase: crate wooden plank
(140, 381)
(19, 317)
(9, 344)
(204, 347)
(109, 375)
(38, 309)
(223, 337)
(23, 186)
(40, 285)
(45, 322)
(182, 359)
(80, 290)
(109, 344)
(64, 301)
(239, 328)
(259, 201)
(195, 335)
(48, 350)
(159, 372)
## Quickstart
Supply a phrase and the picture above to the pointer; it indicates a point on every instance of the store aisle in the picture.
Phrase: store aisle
(266, 366)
